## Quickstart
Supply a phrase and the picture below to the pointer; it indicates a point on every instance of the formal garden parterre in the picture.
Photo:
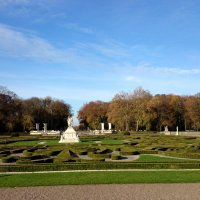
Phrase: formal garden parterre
(116, 151)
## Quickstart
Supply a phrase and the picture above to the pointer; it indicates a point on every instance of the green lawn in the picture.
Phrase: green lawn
(152, 158)
(103, 177)
(55, 142)
(34, 143)
(104, 141)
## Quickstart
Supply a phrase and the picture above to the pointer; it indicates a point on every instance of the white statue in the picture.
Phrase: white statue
(177, 132)
(70, 121)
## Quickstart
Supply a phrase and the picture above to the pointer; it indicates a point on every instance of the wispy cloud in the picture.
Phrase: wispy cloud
(78, 28)
(108, 48)
(28, 3)
(23, 44)
(22, 8)
(144, 71)
(26, 44)
(14, 2)
(169, 70)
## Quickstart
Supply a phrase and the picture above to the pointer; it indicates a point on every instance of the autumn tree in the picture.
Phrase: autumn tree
(139, 100)
(192, 107)
(92, 114)
(160, 112)
(119, 112)
(176, 103)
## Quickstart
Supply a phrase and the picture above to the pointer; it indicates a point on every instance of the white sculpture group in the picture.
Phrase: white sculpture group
(167, 132)
(70, 135)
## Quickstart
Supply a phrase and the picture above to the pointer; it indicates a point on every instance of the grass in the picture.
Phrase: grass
(104, 141)
(34, 143)
(103, 177)
(151, 158)
(55, 142)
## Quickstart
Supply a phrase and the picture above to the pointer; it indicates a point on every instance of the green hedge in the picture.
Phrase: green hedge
(97, 166)
(93, 160)
(63, 156)
(9, 159)
(46, 160)
(183, 155)
(127, 153)
(26, 161)
(115, 157)
(53, 152)
(27, 153)
(97, 156)
(147, 152)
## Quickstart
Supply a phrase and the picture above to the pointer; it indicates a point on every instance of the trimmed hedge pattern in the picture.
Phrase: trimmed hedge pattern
(97, 166)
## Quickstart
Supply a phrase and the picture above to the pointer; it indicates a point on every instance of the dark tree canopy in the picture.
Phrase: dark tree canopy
(21, 115)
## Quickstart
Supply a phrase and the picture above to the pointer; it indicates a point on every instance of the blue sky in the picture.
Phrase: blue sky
(81, 51)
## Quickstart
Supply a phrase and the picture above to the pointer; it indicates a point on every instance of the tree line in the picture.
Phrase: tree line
(17, 114)
(140, 110)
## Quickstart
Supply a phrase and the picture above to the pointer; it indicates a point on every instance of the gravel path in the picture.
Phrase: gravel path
(105, 192)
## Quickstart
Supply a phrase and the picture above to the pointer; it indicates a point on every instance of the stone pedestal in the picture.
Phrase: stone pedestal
(69, 136)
